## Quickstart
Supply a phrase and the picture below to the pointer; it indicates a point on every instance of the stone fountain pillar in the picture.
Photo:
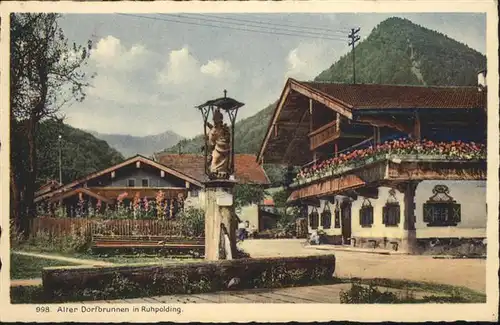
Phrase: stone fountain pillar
(220, 220)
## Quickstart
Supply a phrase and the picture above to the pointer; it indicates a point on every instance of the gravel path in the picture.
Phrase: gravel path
(38, 281)
(26, 282)
(65, 259)
(470, 273)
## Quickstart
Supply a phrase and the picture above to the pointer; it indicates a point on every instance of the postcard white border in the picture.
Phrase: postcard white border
(269, 312)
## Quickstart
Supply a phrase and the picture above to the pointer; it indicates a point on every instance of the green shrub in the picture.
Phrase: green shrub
(192, 222)
(368, 293)
(77, 240)
(359, 294)
(16, 237)
(27, 295)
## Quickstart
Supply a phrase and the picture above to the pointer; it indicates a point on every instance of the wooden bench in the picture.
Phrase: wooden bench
(195, 246)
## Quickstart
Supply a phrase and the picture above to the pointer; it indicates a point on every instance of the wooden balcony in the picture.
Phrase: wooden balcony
(324, 134)
(387, 169)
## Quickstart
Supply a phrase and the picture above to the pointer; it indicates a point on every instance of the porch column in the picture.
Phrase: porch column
(409, 238)
(416, 127)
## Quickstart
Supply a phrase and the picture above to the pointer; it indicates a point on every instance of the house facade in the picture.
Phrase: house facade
(384, 166)
(136, 177)
(179, 177)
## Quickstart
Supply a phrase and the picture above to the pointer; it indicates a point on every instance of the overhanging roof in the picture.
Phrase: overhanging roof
(288, 128)
(247, 170)
(127, 162)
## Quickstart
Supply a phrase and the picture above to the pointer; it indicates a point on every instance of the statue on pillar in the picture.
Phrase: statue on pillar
(219, 137)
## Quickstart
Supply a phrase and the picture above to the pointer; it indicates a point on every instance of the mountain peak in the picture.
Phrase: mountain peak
(398, 51)
(130, 145)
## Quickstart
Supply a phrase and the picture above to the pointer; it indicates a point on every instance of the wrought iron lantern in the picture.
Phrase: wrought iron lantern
(218, 137)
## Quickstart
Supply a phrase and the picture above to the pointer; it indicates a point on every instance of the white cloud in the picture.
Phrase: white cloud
(111, 53)
(307, 60)
(182, 67)
(218, 69)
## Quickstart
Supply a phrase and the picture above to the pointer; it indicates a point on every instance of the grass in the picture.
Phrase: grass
(28, 267)
(27, 295)
(459, 293)
(140, 259)
(112, 258)
(121, 259)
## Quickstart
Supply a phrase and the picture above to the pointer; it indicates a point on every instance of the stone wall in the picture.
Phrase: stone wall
(97, 283)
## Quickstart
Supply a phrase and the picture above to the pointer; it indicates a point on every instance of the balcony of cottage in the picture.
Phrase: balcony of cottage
(391, 163)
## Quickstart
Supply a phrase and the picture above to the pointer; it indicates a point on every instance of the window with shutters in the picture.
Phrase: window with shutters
(391, 212)
(314, 219)
(441, 210)
(326, 217)
(337, 215)
(366, 214)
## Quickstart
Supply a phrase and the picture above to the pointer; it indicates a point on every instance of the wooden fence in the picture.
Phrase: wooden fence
(119, 227)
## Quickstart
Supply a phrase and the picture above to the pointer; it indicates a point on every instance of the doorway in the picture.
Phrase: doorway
(345, 215)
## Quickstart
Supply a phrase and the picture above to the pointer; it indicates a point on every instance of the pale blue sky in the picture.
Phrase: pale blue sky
(152, 72)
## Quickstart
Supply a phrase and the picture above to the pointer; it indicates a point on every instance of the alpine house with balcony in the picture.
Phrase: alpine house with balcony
(384, 166)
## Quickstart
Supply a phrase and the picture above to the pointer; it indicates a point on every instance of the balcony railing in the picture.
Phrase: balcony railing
(323, 135)
(398, 149)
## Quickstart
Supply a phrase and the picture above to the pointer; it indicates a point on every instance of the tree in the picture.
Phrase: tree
(45, 74)
(245, 194)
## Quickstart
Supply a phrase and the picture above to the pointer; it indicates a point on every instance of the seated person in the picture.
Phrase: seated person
(242, 230)
(314, 238)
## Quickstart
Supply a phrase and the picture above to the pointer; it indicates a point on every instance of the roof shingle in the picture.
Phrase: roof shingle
(247, 170)
(375, 96)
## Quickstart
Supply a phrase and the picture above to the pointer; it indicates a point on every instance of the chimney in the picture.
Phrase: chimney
(481, 80)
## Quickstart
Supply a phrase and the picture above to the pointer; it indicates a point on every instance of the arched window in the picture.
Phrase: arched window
(441, 209)
(314, 218)
(326, 217)
(366, 214)
(391, 212)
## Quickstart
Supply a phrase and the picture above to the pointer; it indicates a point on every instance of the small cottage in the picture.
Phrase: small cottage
(175, 179)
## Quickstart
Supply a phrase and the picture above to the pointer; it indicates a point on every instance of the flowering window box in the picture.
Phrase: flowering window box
(396, 150)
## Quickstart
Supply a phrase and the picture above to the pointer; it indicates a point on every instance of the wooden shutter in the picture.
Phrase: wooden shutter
(428, 212)
(337, 218)
(398, 214)
(455, 213)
